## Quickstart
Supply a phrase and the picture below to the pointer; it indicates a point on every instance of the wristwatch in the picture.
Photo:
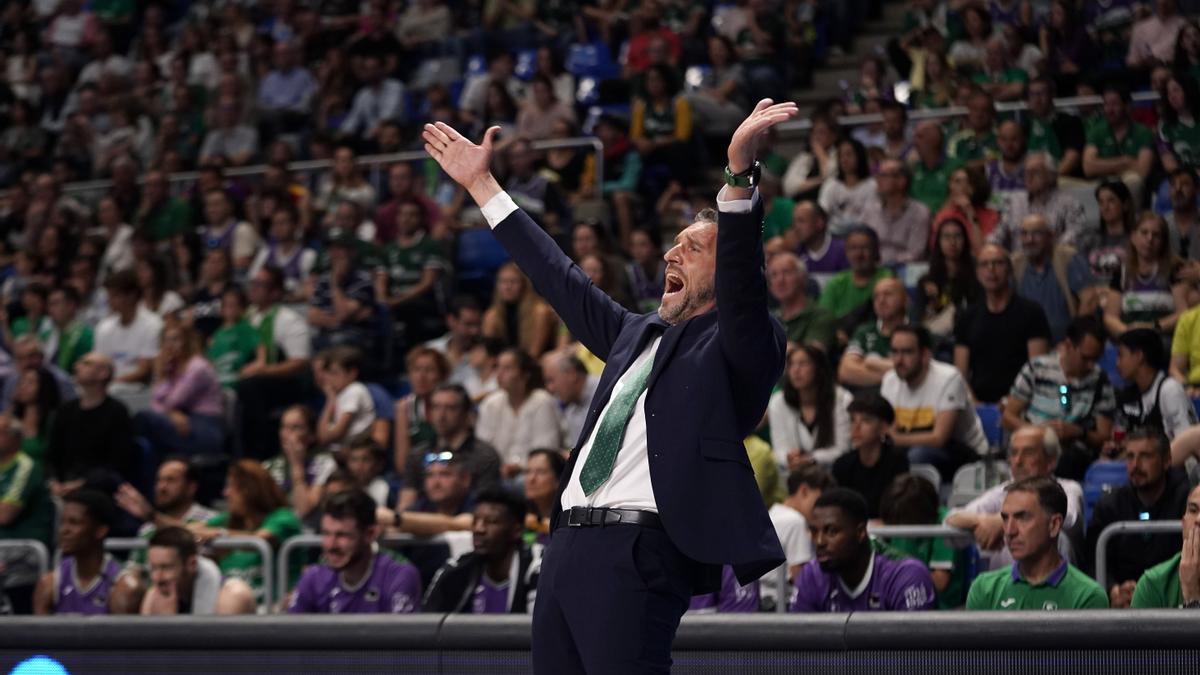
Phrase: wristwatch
(745, 179)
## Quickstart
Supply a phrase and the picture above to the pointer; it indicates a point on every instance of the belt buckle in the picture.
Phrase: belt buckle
(579, 516)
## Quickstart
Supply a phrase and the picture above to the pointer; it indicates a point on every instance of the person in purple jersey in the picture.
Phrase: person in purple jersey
(83, 580)
(733, 597)
(850, 574)
(500, 575)
(355, 578)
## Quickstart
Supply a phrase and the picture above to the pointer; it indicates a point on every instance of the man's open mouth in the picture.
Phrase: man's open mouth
(673, 285)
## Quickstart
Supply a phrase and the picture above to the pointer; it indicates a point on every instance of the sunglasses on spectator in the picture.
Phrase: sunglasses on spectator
(438, 458)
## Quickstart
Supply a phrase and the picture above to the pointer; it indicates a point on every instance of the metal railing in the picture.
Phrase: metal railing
(1127, 527)
(220, 543)
(374, 163)
(920, 532)
(39, 551)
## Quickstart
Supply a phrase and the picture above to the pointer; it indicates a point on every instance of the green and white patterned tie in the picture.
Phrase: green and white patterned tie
(603, 456)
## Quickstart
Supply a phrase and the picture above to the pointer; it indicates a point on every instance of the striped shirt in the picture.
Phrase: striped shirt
(1051, 395)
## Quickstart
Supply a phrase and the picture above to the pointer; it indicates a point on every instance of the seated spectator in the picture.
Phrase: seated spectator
(912, 500)
(1053, 275)
(73, 337)
(543, 470)
(873, 461)
(464, 323)
(1183, 220)
(999, 76)
(1117, 147)
(1033, 452)
(1155, 492)
(286, 252)
(809, 238)
(901, 222)
(255, 507)
(204, 301)
(646, 270)
(541, 109)
(868, 355)
(847, 558)
(344, 183)
(405, 186)
(450, 417)
(1152, 292)
(175, 486)
(967, 202)
(969, 51)
(1033, 514)
(90, 436)
(354, 578)
(622, 172)
(1106, 247)
(157, 296)
(1150, 398)
(342, 304)
(1006, 172)
(996, 337)
(805, 322)
(427, 369)
(349, 410)
(518, 316)
(846, 196)
(500, 575)
(129, 336)
(1172, 583)
(530, 189)
(815, 163)
(568, 381)
(850, 289)
(720, 100)
(85, 576)
(731, 598)
(26, 511)
(952, 283)
(790, 518)
(235, 343)
(1177, 138)
(34, 322)
(1052, 131)
(1185, 352)
(223, 231)
(187, 406)
(661, 124)
(808, 417)
(286, 92)
(379, 100)
(500, 66)
(365, 461)
(280, 374)
(302, 469)
(520, 416)
(977, 140)
(1153, 37)
(1067, 392)
(181, 581)
(932, 168)
(934, 417)
(235, 144)
(34, 403)
(446, 505)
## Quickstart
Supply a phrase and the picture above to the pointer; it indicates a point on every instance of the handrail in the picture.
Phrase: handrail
(224, 543)
(1127, 527)
(372, 161)
(39, 551)
(919, 532)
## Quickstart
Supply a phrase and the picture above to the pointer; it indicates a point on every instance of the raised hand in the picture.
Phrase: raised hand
(467, 163)
(744, 144)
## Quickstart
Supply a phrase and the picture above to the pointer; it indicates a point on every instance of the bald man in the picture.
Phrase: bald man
(91, 437)
(931, 171)
(868, 356)
(1006, 173)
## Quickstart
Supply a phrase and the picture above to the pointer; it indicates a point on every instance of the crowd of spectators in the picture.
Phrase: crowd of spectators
(317, 350)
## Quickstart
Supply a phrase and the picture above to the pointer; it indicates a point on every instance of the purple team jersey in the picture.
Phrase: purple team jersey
(733, 597)
(893, 585)
(833, 259)
(490, 597)
(389, 588)
(73, 599)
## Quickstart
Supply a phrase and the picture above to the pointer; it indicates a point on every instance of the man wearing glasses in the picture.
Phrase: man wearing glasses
(1066, 391)
(901, 222)
(1053, 275)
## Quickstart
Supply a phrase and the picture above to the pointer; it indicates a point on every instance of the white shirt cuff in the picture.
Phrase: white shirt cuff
(500, 207)
(735, 205)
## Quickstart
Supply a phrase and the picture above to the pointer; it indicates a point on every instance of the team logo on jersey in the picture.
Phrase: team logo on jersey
(372, 595)
(1049, 604)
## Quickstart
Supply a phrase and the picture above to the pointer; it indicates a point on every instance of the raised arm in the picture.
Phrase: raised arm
(590, 315)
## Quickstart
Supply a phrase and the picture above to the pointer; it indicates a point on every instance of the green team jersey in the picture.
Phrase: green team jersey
(406, 263)
(246, 564)
(231, 348)
(73, 343)
(841, 295)
(814, 323)
(869, 339)
(1181, 140)
(1006, 76)
(22, 484)
(1043, 138)
(1159, 586)
(939, 556)
(967, 145)
(22, 326)
(930, 186)
(1066, 588)
(1137, 138)
(779, 218)
(167, 220)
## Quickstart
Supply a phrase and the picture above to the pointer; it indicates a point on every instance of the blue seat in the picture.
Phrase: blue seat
(591, 60)
(526, 64)
(1101, 478)
(989, 417)
(476, 65)
(385, 406)
(1108, 363)
(694, 77)
(1196, 405)
(477, 259)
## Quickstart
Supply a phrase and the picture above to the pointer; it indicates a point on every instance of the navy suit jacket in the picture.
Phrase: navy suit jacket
(707, 391)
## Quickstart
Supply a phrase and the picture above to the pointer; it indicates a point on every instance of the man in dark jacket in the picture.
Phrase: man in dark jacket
(500, 575)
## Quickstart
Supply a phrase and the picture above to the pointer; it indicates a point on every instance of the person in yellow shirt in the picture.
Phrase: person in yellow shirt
(1185, 351)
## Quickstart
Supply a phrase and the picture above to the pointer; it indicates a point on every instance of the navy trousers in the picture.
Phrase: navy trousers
(609, 600)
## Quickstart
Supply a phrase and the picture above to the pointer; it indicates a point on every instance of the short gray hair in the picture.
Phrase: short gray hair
(1050, 443)
(1047, 158)
(706, 215)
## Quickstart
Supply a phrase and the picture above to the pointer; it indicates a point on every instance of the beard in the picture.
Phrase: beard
(693, 299)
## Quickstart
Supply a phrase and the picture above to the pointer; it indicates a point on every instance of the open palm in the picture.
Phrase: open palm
(461, 159)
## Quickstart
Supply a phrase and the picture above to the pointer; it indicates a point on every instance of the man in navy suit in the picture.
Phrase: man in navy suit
(658, 493)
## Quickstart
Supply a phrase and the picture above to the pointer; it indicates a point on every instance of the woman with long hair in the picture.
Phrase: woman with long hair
(1179, 128)
(517, 316)
(970, 50)
(951, 283)
(345, 183)
(187, 405)
(35, 400)
(661, 124)
(1187, 50)
(255, 507)
(816, 163)
(846, 195)
(427, 369)
(520, 415)
(1151, 294)
(1105, 246)
(1065, 42)
(158, 298)
(968, 204)
(302, 466)
(542, 472)
(808, 416)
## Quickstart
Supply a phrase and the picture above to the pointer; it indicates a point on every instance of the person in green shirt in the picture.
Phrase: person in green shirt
(410, 269)
(236, 342)
(160, 215)
(35, 321)
(978, 139)
(1117, 146)
(913, 500)
(850, 289)
(931, 171)
(999, 77)
(25, 509)
(868, 354)
(1179, 128)
(1040, 577)
(257, 507)
(1175, 582)
(75, 337)
(805, 322)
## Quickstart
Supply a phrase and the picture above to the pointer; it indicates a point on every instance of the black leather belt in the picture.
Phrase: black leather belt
(587, 516)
